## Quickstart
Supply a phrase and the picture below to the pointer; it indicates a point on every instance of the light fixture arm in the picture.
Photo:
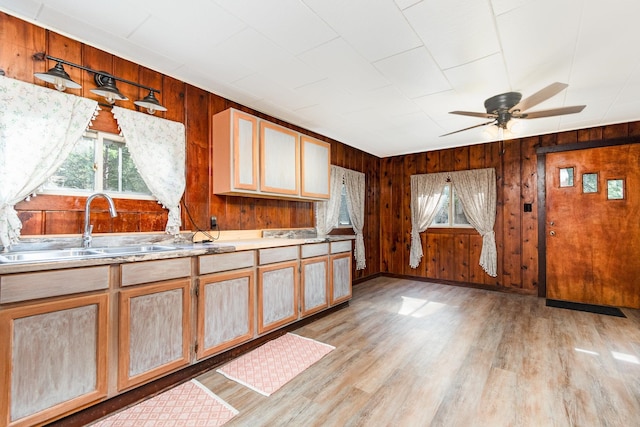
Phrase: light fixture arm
(90, 70)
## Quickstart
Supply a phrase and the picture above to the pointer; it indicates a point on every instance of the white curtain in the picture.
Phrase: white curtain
(425, 198)
(328, 213)
(354, 183)
(38, 129)
(157, 147)
(476, 190)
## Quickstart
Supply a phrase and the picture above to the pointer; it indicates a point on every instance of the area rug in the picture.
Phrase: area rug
(272, 365)
(189, 404)
(598, 309)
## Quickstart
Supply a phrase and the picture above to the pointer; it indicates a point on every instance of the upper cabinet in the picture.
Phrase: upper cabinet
(257, 158)
(279, 160)
(235, 152)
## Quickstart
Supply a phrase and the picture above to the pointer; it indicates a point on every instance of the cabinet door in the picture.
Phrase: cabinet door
(54, 358)
(277, 295)
(235, 152)
(340, 278)
(154, 331)
(225, 311)
(314, 284)
(315, 164)
(245, 151)
(279, 160)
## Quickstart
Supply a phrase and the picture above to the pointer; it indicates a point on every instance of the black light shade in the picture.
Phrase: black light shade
(107, 88)
(58, 77)
(151, 103)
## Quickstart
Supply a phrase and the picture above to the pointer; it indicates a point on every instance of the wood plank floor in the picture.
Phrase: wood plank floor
(418, 354)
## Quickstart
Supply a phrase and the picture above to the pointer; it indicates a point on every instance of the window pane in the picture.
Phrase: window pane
(77, 170)
(590, 183)
(459, 218)
(615, 189)
(566, 177)
(442, 217)
(119, 172)
(344, 219)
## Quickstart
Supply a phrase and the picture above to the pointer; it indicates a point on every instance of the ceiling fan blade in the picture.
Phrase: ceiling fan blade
(538, 97)
(474, 114)
(470, 127)
(553, 112)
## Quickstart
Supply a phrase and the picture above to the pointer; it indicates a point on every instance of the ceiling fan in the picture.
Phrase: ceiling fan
(510, 105)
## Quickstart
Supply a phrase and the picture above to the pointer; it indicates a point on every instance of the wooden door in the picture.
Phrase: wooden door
(593, 226)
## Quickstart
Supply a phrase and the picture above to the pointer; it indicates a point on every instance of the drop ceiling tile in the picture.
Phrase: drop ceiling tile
(539, 46)
(376, 29)
(455, 32)
(292, 73)
(27, 9)
(296, 29)
(264, 88)
(414, 72)
(120, 18)
(341, 63)
(85, 32)
(480, 79)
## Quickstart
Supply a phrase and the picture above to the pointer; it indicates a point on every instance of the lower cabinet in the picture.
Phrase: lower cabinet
(340, 288)
(277, 295)
(314, 275)
(54, 358)
(154, 326)
(225, 311)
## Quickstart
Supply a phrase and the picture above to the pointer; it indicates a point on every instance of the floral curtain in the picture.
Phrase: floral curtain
(354, 183)
(38, 129)
(328, 213)
(157, 147)
(476, 190)
(425, 198)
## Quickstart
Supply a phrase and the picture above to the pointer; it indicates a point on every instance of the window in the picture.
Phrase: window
(615, 189)
(450, 214)
(100, 161)
(344, 220)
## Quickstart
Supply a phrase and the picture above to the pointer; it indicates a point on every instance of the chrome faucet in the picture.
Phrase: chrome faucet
(88, 228)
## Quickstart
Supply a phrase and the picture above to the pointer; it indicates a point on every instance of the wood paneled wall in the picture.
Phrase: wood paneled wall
(449, 254)
(453, 254)
(188, 104)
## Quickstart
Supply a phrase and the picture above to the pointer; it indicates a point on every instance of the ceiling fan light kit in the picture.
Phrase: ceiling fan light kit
(502, 108)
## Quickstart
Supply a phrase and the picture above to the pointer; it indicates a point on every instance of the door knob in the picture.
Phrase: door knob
(553, 233)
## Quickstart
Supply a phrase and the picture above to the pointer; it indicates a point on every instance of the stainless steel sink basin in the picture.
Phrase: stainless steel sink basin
(127, 250)
(50, 255)
(78, 253)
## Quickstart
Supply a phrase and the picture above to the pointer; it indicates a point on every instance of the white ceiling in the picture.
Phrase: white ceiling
(379, 75)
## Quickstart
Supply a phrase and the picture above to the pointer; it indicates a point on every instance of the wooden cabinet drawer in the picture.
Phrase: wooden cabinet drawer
(313, 250)
(45, 284)
(224, 262)
(154, 271)
(341, 246)
(271, 255)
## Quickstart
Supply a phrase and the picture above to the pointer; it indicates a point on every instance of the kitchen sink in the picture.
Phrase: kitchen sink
(78, 253)
(128, 250)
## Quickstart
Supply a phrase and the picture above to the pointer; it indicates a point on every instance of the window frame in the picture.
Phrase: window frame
(451, 224)
(98, 166)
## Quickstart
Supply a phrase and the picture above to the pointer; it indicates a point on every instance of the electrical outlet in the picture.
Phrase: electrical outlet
(214, 222)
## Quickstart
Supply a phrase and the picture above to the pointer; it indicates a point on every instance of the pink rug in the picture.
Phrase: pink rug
(272, 365)
(189, 404)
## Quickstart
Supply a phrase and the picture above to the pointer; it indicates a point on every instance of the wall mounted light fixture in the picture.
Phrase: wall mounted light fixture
(106, 83)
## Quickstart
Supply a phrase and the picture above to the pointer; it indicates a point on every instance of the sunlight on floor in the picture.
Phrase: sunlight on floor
(581, 350)
(625, 357)
(416, 307)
